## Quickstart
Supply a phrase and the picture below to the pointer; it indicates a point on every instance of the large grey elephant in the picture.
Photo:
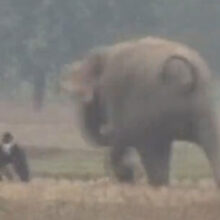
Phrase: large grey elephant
(146, 94)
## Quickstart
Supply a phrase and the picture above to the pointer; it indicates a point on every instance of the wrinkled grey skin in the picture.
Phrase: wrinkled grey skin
(150, 93)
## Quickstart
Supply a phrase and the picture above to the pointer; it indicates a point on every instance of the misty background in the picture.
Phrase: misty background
(37, 37)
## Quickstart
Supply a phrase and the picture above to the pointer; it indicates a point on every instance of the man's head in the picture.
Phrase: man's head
(7, 138)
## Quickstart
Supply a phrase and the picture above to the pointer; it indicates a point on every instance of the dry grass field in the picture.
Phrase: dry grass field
(98, 200)
(71, 180)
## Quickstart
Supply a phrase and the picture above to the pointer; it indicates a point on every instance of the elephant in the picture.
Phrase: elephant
(145, 93)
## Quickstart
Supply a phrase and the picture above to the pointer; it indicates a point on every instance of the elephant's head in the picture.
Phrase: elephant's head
(81, 80)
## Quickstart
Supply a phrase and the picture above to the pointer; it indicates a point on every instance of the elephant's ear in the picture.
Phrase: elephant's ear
(70, 77)
(179, 72)
(93, 66)
(82, 77)
(91, 70)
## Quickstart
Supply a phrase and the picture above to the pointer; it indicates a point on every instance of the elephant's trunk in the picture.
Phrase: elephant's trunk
(93, 120)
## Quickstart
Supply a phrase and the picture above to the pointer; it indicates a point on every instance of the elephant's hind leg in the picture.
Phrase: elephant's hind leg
(206, 135)
(156, 160)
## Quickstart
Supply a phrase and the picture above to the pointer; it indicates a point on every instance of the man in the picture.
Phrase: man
(12, 154)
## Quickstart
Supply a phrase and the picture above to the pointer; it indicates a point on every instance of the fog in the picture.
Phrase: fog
(70, 176)
(38, 37)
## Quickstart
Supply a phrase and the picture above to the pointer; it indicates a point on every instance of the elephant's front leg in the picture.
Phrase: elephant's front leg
(156, 160)
(123, 171)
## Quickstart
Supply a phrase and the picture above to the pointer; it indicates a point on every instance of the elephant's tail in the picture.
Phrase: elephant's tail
(189, 66)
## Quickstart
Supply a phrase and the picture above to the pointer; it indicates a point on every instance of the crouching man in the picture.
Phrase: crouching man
(12, 154)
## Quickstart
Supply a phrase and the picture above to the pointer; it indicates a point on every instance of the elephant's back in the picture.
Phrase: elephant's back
(143, 60)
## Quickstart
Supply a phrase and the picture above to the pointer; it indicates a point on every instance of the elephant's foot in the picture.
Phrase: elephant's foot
(158, 179)
(123, 172)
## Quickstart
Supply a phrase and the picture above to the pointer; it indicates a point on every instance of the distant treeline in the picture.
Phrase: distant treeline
(38, 37)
